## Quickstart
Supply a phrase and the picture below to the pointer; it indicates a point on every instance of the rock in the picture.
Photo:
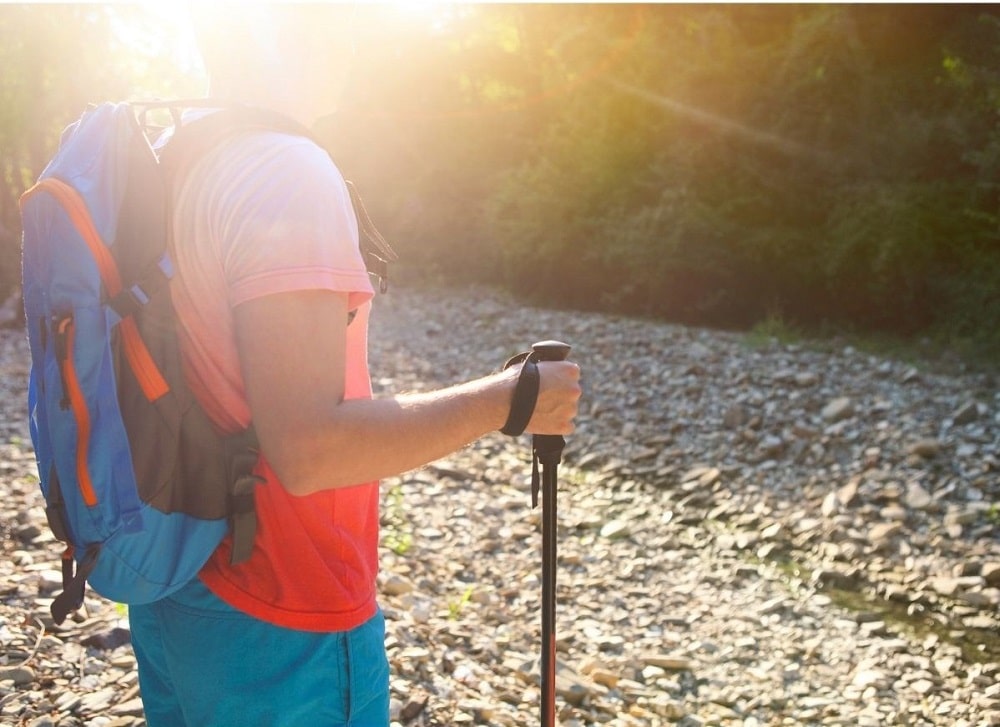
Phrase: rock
(893, 512)
(991, 573)
(19, 675)
(772, 446)
(961, 516)
(50, 581)
(881, 532)
(831, 505)
(700, 477)
(838, 409)
(848, 492)
(735, 417)
(395, 585)
(67, 702)
(669, 709)
(131, 707)
(806, 379)
(571, 688)
(771, 531)
(926, 448)
(699, 351)
(605, 678)
(965, 414)
(953, 586)
(874, 628)
(917, 498)
(864, 678)
(97, 702)
(668, 661)
(108, 638)
(615, 529)
(825, 578)
(413, 708)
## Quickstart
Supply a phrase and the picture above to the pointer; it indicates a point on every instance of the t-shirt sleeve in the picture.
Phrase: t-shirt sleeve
(289, 225)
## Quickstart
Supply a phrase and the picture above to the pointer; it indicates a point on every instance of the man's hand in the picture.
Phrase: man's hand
(558, 398)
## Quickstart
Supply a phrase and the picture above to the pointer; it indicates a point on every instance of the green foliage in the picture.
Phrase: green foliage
(397, 530)
(833, 162)
(710, 164)
(993, 514)
(55, 59)
(455, 608)
(773, 327)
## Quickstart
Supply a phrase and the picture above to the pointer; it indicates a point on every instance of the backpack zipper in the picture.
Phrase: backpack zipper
(65, 333)
(146, 372)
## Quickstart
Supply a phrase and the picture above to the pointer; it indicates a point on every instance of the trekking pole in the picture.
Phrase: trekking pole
(547, 451)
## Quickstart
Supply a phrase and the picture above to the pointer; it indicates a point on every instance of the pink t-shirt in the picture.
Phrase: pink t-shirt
(267, 213)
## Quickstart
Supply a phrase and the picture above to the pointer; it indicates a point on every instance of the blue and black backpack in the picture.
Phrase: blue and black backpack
(137, 482)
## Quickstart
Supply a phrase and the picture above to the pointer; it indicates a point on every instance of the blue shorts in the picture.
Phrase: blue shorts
(202, 663)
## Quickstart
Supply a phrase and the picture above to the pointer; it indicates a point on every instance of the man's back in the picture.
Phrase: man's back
(268, 213)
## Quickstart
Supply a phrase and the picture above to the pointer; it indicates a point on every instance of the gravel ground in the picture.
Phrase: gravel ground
(764, 534)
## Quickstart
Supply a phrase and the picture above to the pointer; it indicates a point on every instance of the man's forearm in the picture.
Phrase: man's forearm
(366, 439)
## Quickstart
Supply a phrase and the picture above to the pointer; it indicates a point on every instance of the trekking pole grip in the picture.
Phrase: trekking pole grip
(551, 444)
(551, 350)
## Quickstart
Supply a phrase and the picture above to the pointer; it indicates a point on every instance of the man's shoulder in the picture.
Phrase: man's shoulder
(269, 162)
(265, 147)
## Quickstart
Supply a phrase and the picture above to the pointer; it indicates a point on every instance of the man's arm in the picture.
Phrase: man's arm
(292, 353)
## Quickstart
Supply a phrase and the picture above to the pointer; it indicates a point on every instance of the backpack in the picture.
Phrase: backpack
(137, 482)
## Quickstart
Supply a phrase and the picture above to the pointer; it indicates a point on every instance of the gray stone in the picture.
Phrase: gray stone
(926, 448)
(917, 498)
(884, 531)
(616, 529)
(806, 379)
(395, 585)
(848, 492)
(735, 417)
(991, 573)
(19, 675)
(838, 409)
(965, 414)
(772, 446)
(97, 702)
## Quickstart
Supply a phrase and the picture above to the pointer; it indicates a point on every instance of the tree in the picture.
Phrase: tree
(56, 59)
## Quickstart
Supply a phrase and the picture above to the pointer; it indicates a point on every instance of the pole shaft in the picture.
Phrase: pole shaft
(548, 449)
(549, 561)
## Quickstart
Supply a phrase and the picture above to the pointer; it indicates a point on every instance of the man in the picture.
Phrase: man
(273, 302)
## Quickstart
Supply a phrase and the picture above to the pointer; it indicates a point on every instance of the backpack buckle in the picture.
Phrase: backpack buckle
(131, 299)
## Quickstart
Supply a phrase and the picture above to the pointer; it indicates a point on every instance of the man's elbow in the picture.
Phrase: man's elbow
(303, 470)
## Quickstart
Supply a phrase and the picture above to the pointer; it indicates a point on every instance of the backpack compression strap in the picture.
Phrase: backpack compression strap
(242, 451)
(74, 584)
(150, 379)
(74, 580)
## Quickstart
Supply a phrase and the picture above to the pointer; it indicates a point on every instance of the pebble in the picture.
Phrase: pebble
(926, 448)
(615, 529)
(838, 409)
(721, 506)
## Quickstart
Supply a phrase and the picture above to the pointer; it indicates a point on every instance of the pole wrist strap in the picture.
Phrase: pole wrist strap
(522, 406)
